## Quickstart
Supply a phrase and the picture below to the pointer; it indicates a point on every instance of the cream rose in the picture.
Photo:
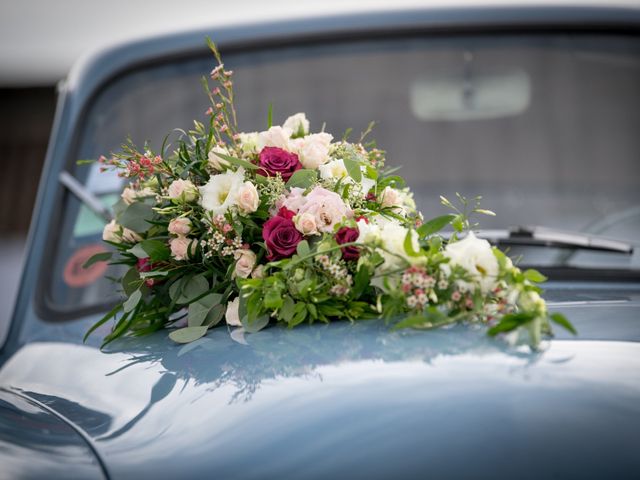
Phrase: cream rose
(476, 257)
(248, 198)
(390, 198)
(130, 195)
(232, 315)
(274, 137)
(180, 226)
(111, 232)
(298, 124)
(182, 190)
(306, 224)
(245, 261)
(315, 150)
(182, 247)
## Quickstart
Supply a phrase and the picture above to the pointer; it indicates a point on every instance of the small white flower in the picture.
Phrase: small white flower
(232, 314)
(221, 191)
(298, 124)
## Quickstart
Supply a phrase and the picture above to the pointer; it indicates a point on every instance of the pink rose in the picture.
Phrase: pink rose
(281, 236)
(245, 261)
(180, 226)
(275, 160)
(294, 200)
(248, 198)
(182, 247)
(327, 207)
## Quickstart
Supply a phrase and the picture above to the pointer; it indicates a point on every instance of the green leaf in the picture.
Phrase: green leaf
(270, 116)
(353, 169)
(458, 223)
(199, 310)
(136, 217)
(237, 161)
(132, 301)
(287, 309)
(98, 257)
(435, 225)
(303, 248)
(408, 245)
(430, 318)
(112, 313)
(157, 250)
(561, 320)
(534, 276)
(131, 281)
(361, 281)
(188, 334)
(302, 178)
(187, 289)
(510, 322)
(138, 251)
(255, 325)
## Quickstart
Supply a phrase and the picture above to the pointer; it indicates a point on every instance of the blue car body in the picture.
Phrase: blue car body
(320, 401)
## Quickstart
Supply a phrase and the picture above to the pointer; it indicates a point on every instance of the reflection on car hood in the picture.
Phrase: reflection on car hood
(357, 401)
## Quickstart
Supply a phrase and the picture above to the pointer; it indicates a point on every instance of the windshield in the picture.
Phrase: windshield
(544, 127)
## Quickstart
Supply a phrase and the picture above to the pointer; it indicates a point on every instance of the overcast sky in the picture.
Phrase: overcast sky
(40, 39)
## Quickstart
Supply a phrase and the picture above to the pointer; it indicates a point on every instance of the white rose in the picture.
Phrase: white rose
(249, 142)
(274, 137)
(232, 314)
(333, 169)
(298, 124)
(245, 261)
(180, 226)
(111, 232)
(182, 190)
(315, 150)
(221, 191)
(476, 257)
(306, 224)
(248, 198)
(182, 247)
(215, 161)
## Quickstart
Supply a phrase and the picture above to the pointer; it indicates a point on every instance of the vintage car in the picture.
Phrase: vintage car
(536, 108)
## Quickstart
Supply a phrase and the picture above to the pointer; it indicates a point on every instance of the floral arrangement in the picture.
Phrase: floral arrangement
(290, 226)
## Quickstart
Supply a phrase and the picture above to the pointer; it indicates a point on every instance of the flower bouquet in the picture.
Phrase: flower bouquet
(290, 226)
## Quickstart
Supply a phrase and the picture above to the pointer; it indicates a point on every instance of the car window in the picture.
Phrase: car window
(545, 127)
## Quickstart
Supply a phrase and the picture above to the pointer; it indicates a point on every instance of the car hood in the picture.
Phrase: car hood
(357, 401)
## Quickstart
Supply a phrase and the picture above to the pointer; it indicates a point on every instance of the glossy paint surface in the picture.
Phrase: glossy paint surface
(357, 400)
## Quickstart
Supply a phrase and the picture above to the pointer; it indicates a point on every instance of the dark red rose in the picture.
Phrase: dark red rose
(348, 235)
(145, 265)
(284, 212)
(275, 160)
(281, 236)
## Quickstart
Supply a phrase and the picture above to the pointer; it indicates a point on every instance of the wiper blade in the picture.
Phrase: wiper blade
(85, 196)
(536, 236)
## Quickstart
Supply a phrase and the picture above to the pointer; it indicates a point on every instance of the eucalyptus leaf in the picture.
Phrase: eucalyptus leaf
(353, 169)
(131, 281)
(199, 310)
(256, 325)
(188, 334)
(136, 217)
(192, 288)
(302, 178)
(132, 301)
(98, 257)
(303, 248)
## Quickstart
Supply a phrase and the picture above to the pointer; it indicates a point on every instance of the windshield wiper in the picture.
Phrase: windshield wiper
(85, 196)
(536, 236)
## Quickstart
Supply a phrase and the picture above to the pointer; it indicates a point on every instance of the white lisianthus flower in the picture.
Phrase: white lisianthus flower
(221, 192)
(366, 183)
(249, 142)
(232, 315)
(245, 261)
(182, 247)
(306, 224)
(274, 137)
(217, 162)
(248, 198)
(182, 190)
(476, 257)
(298, 124)
(393, 236)
(314, 150)
(179, 226)
(334, 169)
